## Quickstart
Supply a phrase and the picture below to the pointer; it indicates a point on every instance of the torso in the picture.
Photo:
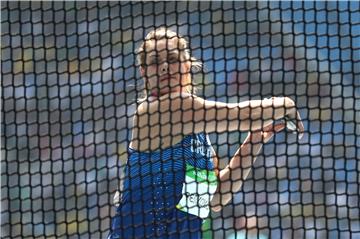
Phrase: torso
(155, 191)
(142, 141)
(167, 169)
(149, 134)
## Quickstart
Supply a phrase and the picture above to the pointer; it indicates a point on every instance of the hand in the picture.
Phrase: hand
(300, 125)
(265, 134)
(294, 118)
(269, 131)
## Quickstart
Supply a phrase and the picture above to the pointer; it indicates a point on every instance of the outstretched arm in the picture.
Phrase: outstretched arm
(235, 173)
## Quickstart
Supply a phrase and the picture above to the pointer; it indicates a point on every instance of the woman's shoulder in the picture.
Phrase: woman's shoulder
(162, 122)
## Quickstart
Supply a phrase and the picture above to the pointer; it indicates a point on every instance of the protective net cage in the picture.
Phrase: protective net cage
(70, 84)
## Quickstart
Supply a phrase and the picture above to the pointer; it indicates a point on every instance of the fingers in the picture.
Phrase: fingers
(279, 127)
(300, 126)
(268, 132)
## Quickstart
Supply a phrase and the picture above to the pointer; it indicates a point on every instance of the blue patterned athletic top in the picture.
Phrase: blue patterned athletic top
(155, 198)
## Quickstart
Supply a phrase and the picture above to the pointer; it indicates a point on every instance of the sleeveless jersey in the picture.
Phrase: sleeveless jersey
(167, 193)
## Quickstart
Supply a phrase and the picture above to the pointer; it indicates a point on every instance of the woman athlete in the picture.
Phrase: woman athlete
(171, 178)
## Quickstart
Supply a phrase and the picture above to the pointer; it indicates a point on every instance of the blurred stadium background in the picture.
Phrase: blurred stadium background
(69, 87)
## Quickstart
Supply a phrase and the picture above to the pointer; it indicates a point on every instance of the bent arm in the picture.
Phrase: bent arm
(212, 116)
(175, 115)
(231, 178)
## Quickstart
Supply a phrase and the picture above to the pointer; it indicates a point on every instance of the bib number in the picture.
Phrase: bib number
(198, 190)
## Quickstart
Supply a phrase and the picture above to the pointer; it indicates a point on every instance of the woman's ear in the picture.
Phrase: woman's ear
(188, 66)
(142, 73)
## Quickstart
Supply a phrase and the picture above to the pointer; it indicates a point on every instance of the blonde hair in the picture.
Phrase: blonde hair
(164, 33)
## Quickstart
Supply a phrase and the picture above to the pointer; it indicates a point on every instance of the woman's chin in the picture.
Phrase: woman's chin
(168, 90)
(165, 90)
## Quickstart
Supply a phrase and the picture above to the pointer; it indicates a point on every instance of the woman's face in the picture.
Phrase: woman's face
(165, 66)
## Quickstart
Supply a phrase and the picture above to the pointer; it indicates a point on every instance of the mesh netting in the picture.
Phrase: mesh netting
(70, 84)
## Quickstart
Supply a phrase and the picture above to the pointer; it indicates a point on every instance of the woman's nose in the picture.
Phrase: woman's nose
(164, 68)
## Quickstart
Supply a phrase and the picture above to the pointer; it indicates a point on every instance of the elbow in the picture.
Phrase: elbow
(289, 101)
(290, 106)
(281, 107)
(219, 201)
(215, 203)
